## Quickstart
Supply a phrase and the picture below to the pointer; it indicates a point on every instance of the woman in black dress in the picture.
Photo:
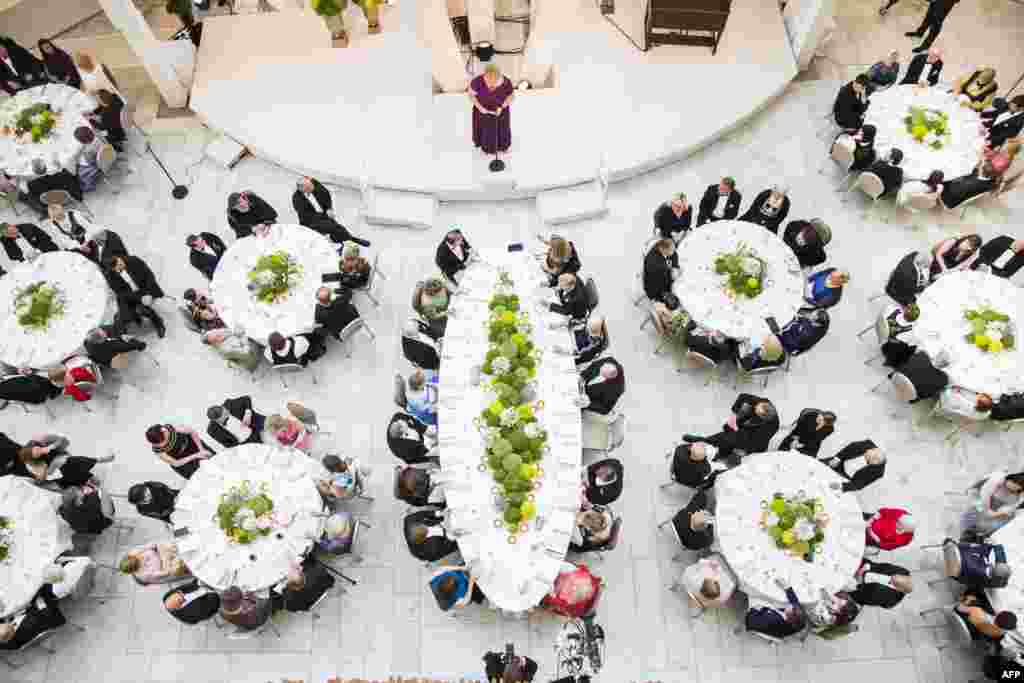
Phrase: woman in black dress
(179, 447)
(811, 429)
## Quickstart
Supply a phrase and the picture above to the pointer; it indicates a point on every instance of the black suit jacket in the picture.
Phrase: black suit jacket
(892, 176)
(204, 262)
(604, 395)
(259, 212)
(916, 68)
(337, 315)
(420, 353)
(409, 451)
(8, 454)
(955, 192)
(103, 352)
(657, 275)
(938, 10)
(37, 620)
(143, 277)
(33, 389)
(572, 303)
(754, 433)
(236, 408)
(162, 504)
(812, 252)
(318, 582)
(807, 433)
(435, 547)
(688, 472)
(993, 249)
(32, 234)
(708, 201)
(61, 180)
(693, 540)
(669, 225)
(876, 594)
(1006, 129)
(754, 215)
(305, 209)
(770, 622)
(848, 109)
(904, 284)
(26, 65)
(928, 380)
(448, 262)
(86, 517)
(200, 609)
(114, 246)
(865, 475)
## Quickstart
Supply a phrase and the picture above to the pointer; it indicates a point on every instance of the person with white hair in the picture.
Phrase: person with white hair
(860, 463)
(708, 583)
(334, 310)
(889, 528)
(769, 209)
(604, 383)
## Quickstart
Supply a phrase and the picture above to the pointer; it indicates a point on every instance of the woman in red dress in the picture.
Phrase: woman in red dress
(491, 94)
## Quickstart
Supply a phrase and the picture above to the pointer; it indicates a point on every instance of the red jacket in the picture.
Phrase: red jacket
(79, 374)
(883, 525)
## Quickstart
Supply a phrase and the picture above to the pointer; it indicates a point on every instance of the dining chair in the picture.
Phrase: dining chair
(962, 636)
(367, 289)
(641, 295)
(872, 186)
(744, 374)
(603, 433)
(289, 369)
(106, 157)
(843, 158)
(965, 205)
(698, 361)
(345, 336)
(882, 330)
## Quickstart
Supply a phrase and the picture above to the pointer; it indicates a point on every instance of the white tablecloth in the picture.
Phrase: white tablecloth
(239, 307)
(86, 297)
(60, 146)
(513, 576)
(942, 327)
(750, 550)
(1011, 598)
(957, 157)
(701, 292)
(290, 476)
(40, 535)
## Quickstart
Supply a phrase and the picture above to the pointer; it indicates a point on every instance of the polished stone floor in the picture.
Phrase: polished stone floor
(389, 624)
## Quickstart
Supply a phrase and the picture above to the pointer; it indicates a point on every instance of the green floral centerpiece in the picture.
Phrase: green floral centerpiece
(989, 329)
(796, 523)
(928, 126)
(38, 304)
(515, 439)
(744, 272)
(6, 538)
(274, 276)
(37, 120)
(245, 513)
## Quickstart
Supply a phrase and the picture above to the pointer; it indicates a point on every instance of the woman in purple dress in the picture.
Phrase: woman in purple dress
(491, 94)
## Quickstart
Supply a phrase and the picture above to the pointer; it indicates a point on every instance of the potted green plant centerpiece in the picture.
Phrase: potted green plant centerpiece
(743, 270)
(989, 330)
(35, 123)
(274, 277)
(38, 304)
(928, 126)
(245, 512)
(796, 523)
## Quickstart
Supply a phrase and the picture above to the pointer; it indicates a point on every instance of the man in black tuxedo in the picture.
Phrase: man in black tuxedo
(424, 546)
(995, 251)
(18, 68)
(419, 348)
(871, 468)
(889, 171)
(83, 510)
(753, 423)
(27, 387)
(25, 239)
(42, 614)
(719, 202)
(312, 203)
(658, 264)
(136, 288)
(246, 210)
(192, 604)
(204, 252)
(777, 622)
(934, 17)
(304, 587)
(108, 244)
(604, 383)
(909, 278)
(880, 584)
(807, 239)
(572, 298)
(408, 442)
(102, 344)
(335, 310)
(917, 65)
(235, 422)
(692, 523)
(1007, 124)
(153, 499)
(851, 103)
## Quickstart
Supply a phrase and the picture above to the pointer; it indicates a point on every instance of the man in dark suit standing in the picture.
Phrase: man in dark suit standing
(958, 190)
(916, 68)
(720, 202)
(312, 203)
(246, 211)
(1007, 124)
(889, 171)
(83, 510)
(851, 103)
(153, 499)
(235, 422)
(42, 614)
(880, 584)
(192, 603)
(136, 288)
(204, 252)
(25, 240)
(934, 17)
(18, 68)
(102, 344)
(604, 383)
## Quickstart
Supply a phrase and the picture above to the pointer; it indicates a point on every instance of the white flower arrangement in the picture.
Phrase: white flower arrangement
(501, 365)
(509, 417)
(805, 530)
(533, 430)
(771, 519)
(6, 539)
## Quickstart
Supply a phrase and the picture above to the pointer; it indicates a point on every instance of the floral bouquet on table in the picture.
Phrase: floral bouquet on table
(515, 439)
(33, 123)
(744, 272)
(989, 329)
(6, 538)
(38, 304)
(245, 513)
(274, 277)
(928, 126)
(796, 523)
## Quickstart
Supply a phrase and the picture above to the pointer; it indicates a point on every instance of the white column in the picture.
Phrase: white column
(169, 63)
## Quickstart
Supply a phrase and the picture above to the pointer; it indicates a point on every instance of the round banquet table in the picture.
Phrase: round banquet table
(942, 327)
(957, 157)
(60, 146)
(751, 552)
(513, 576)
(1010, 598)
(40, 535)
(238, 306)
(86, 301)
(291, 479)
(701, 292)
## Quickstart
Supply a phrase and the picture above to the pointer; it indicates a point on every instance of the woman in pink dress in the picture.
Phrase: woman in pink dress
(491, 94)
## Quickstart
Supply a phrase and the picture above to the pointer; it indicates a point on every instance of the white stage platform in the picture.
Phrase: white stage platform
(367, 113)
